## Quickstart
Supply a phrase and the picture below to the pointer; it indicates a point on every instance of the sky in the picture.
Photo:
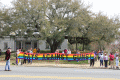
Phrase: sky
(107, 7)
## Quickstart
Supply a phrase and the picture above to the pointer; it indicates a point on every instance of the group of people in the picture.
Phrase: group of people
(100, 56)
(104, 58)
(66, 51)
(18, 61)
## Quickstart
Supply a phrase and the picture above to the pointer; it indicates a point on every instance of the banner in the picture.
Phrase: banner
(55, 56)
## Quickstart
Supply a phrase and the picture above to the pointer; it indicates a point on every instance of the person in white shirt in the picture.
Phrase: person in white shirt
(17, 56)
(116, 54)
(105, 60)
(117, 62)
(101, 60)
(69, 52)
(19, 60)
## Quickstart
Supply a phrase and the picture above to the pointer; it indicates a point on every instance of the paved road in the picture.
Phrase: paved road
(53, 73)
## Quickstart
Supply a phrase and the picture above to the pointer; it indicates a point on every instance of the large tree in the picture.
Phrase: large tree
(61, 17)
(102, 29)
(28, 16)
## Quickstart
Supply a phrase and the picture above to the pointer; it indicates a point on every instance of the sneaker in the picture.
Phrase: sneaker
(9, 70)
(6, 70)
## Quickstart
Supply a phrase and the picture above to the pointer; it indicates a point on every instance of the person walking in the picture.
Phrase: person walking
(117, 62)
(106, 60)
(112, 60)
(101, 60)
(7, 58)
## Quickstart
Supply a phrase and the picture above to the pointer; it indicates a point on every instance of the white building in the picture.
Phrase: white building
(27, 44)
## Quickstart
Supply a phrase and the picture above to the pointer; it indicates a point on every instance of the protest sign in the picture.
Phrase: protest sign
(56, 56)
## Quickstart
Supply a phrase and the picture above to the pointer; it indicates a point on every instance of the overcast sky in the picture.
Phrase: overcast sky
(108, 7)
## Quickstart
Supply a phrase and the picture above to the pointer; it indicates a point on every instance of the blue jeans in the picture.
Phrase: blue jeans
(101, 62)
(7, 65)
(31, 61)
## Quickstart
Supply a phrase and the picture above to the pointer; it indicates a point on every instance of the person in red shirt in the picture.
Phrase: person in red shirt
(7, 58)
(112, 60)
(65, 51)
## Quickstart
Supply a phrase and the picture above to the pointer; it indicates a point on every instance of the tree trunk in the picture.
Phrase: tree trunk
(76, 47)
(53, 48)
(83, 46)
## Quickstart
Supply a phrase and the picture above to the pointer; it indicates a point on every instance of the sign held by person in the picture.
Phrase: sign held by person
(56, 56)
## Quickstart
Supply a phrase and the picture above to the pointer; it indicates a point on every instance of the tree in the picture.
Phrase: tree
(80, 26)
(28, 14)
(102, 29)
(60, 20)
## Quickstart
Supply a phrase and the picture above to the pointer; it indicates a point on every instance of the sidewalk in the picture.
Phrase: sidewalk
(83, 66)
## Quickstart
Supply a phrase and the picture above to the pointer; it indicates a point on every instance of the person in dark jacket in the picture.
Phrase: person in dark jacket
(38, 50)
(0, 52)
(7, 58)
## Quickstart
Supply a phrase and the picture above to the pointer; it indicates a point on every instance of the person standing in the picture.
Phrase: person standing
(95, 56)
(92, 60)
(38, 50)
(116, 53)
(34, 50)
(31, 53)
(105, 60)
(7, 58)
(78, 52)
(0, 52)
(17, 56)
(19, 60)
(112, 60)
(29, 56)
(69, 52)
(57, 61)
(117, 62)
(99, 55)
(102, 52)
(65, 51)
(25, 58)
(101, 60)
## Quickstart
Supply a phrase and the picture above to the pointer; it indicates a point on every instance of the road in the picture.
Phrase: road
(54, 73)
